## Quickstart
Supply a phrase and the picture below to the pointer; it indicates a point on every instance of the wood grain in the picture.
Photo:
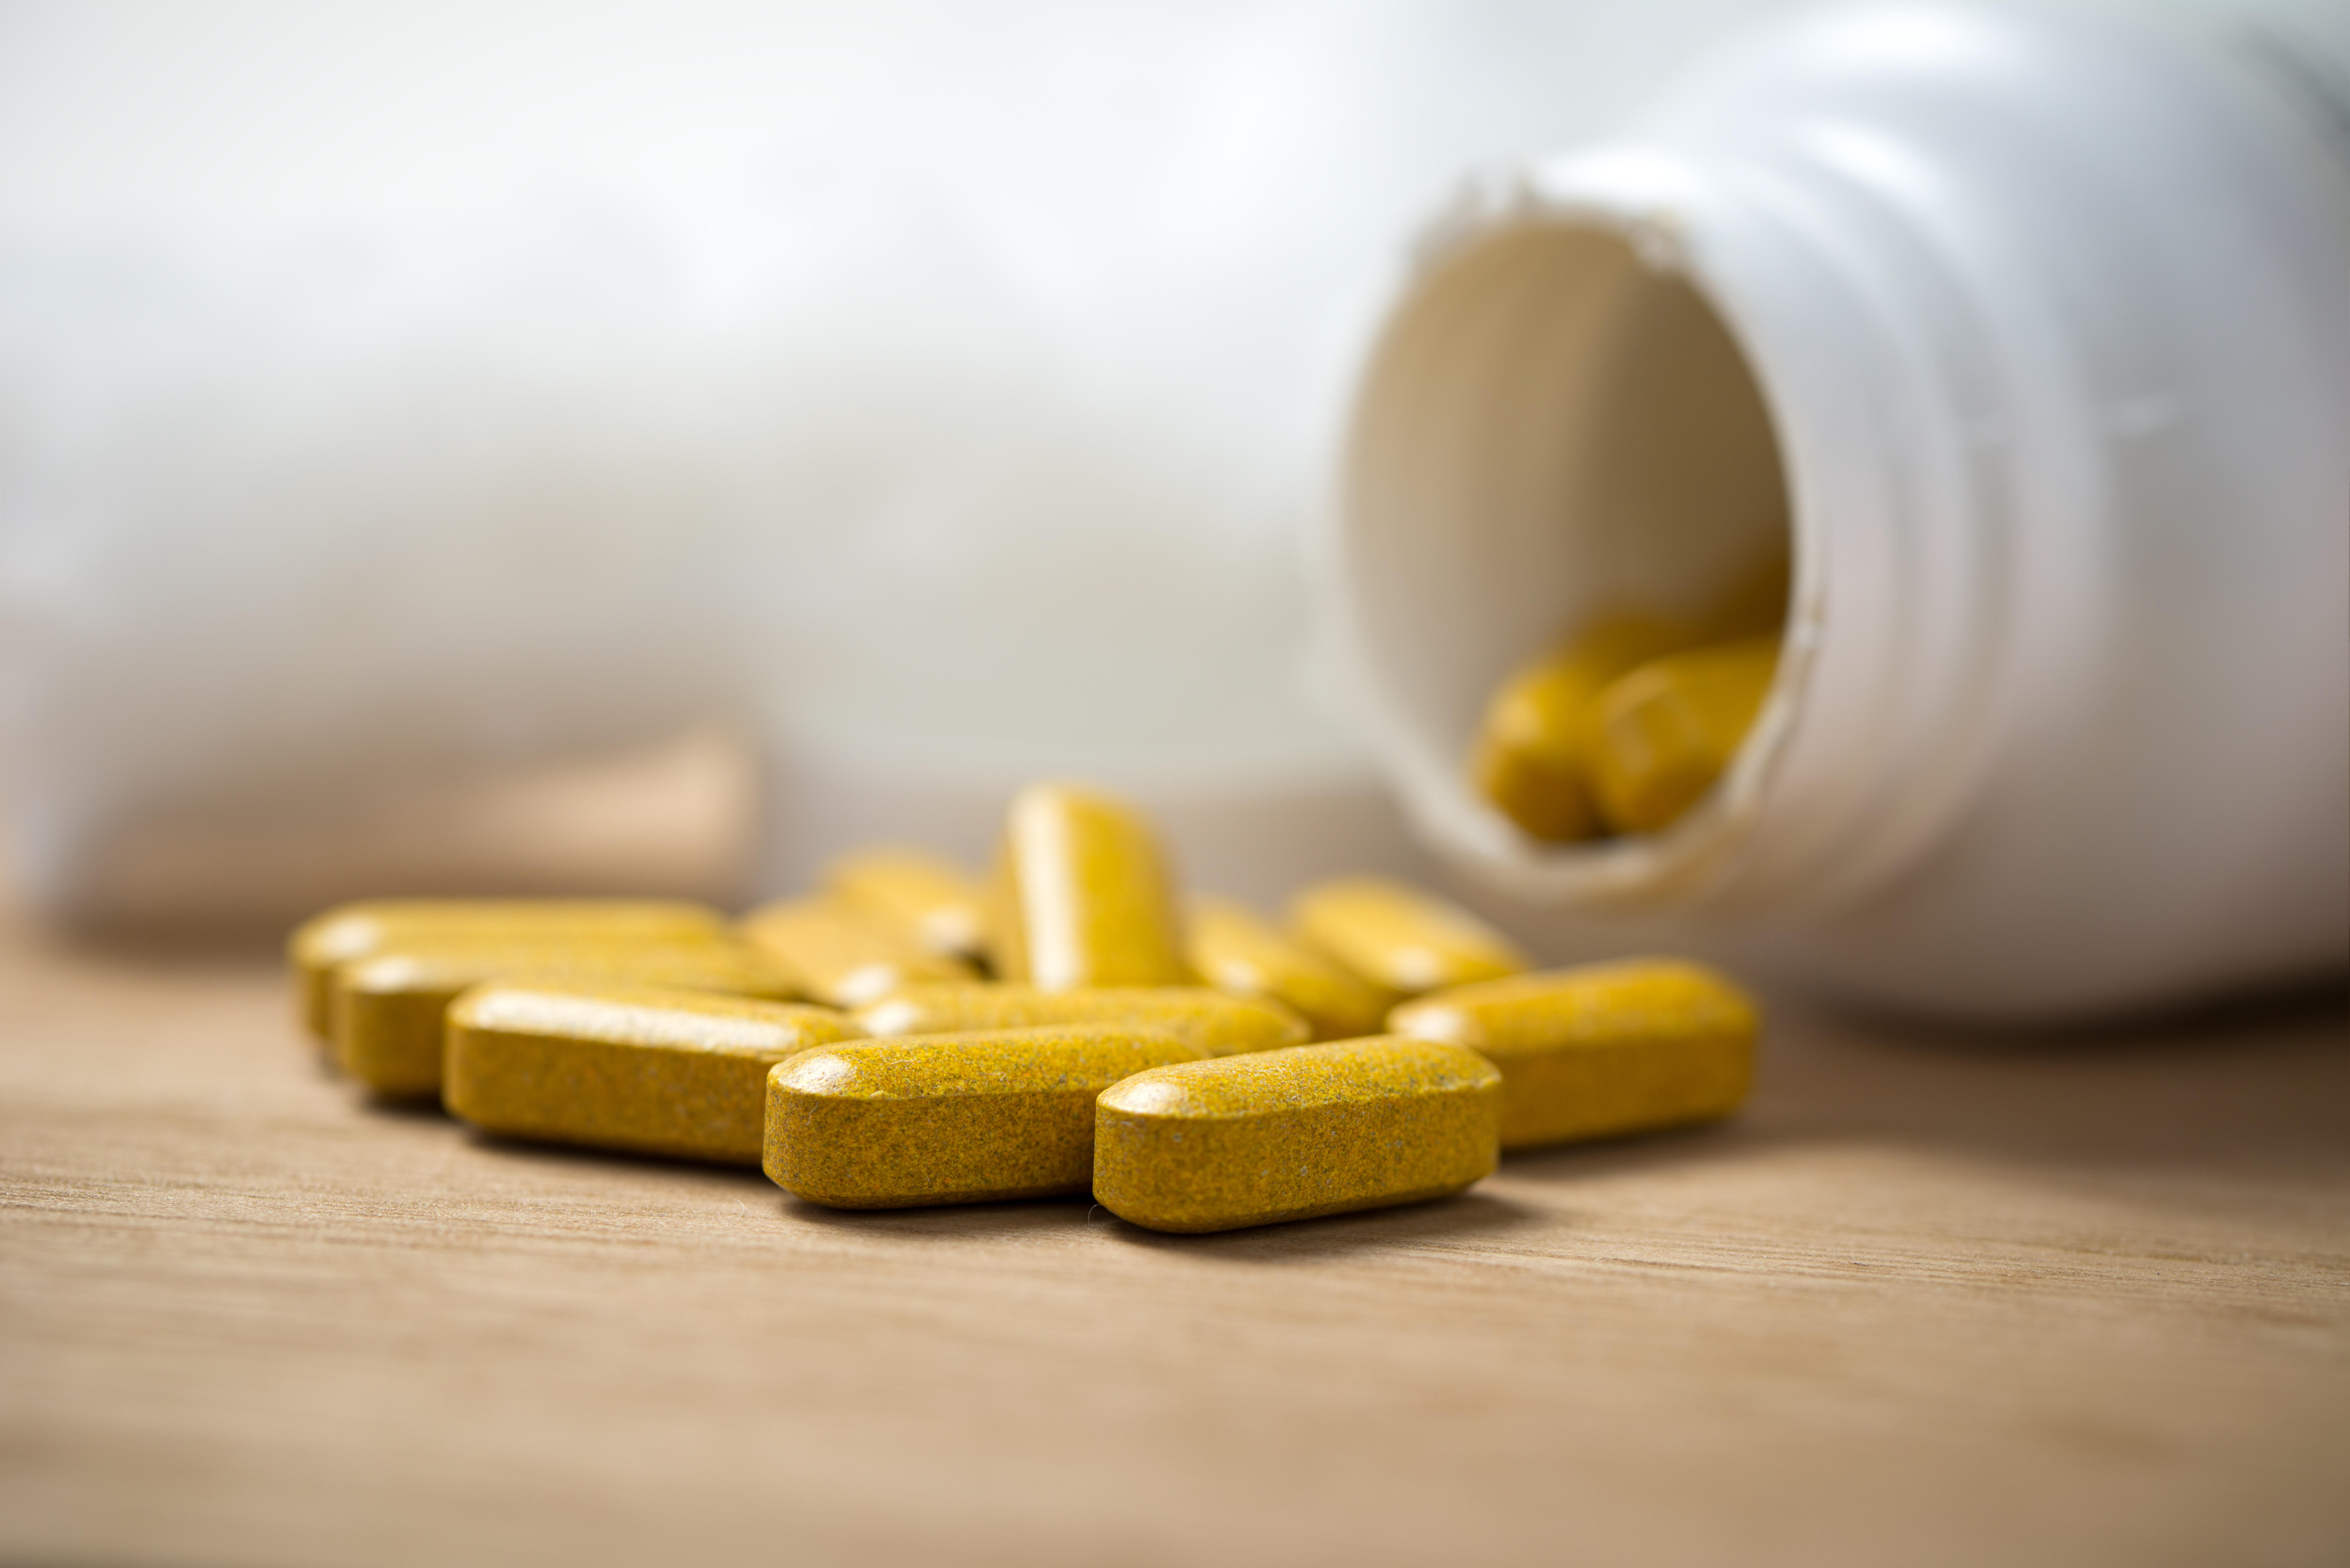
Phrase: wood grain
(1927, 1302)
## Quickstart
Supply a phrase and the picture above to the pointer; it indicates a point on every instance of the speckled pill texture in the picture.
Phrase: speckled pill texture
(843, 958)
(1605, 1049)
(1400, 938)
(351, 932)
(1236, 950)
(931, 900)
(390, 1009)
(1084, 895)
(1290, 1135)
(950, 1118)
(1218, 1024)
(654, 1071)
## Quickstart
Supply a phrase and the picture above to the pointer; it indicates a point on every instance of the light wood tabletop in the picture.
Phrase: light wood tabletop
(1929, 1301)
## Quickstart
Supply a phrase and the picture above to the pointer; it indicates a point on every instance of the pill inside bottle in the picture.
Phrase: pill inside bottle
(1532, 756)
(1646, 519)
(1664, 732)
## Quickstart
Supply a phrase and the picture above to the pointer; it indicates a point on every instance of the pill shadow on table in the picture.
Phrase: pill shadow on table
(1689, 1146)
(401, 1108)
(976, 1220)
(568, 1155)
(2246, 1086)
(1472, 1215)
(2224, 1023)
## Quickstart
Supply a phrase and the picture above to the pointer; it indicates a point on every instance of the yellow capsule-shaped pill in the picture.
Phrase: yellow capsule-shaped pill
(1218, 1024)
(926, 898)
(1236, 950)
(951, 1119)
(841, 958)
(1288, 1135)
(653, 1070)
(1601, 1050)
(1085, 896)
(1532, 756)
(390, 1009)
(351, 932)
(1666, 731)
(1400, 938)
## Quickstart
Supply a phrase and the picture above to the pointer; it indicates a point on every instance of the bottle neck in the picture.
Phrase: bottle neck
(1546, 435)
(1874, 251)
(1918, 429)
(1969, 295)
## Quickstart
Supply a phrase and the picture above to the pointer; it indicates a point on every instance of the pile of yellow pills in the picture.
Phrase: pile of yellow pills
(912, 1035)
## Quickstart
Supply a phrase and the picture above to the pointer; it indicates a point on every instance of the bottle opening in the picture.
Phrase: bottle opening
(1558, 428)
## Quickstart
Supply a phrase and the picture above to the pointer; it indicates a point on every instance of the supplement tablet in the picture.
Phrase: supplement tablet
(1288, 1135)
(1236, 950)
(1605, 1049)
(351, 932)
(652, 1071)
(1667, 731)
(1218, 1024)
(841, 957)
(1400, 938)
(390, 1009)
(950, 1118)
(1531, 757)
(930, 900)
(1084, 895)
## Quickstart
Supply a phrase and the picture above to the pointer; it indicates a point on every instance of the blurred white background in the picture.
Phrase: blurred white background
(400, 400)
(529, 446)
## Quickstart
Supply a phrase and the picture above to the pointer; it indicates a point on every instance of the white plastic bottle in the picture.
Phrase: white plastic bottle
(2029, 334)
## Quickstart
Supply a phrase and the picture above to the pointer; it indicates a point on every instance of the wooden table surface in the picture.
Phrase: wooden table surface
(1929, 1302)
